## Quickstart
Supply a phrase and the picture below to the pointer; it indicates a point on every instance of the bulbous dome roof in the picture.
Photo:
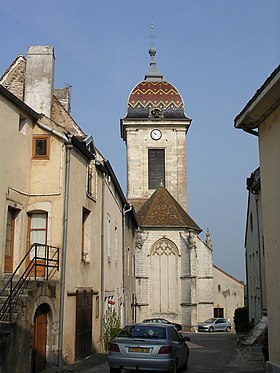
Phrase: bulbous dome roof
(155, 97)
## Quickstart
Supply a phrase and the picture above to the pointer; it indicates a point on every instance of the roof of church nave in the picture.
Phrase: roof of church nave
(162, 210)
(155, 93)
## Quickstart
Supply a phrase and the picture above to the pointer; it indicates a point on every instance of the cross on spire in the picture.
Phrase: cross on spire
(152, 34)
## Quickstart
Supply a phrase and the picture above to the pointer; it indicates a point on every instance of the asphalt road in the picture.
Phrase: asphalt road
(215, 353)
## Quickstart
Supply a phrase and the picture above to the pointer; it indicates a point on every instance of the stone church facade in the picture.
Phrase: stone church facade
(173, 265)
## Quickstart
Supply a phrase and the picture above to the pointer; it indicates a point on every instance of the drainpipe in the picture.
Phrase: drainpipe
(102, 263)
(69, 146)
(124, 211)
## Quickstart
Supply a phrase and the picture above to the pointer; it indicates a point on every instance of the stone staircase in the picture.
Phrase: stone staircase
(8, 320)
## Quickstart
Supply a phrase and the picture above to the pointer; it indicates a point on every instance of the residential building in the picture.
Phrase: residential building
(228, 294)
(260, 117)
(254, 251)
(62, 212)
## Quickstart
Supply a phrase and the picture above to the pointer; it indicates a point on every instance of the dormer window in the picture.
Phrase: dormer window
(156, 113)
(41, 147)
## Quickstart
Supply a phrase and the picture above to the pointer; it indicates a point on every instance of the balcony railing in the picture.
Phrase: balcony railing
(39, 262)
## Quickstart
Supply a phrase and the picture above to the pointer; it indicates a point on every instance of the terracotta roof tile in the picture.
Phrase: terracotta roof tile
(162, 210)
(137, 203)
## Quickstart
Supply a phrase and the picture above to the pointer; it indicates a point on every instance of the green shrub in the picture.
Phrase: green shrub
(111, 326)
(241, 320)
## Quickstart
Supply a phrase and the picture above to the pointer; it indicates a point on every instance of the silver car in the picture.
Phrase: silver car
(148, 346)
(215, 324)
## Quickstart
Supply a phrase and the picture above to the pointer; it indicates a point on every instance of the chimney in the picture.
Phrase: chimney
(39, 78)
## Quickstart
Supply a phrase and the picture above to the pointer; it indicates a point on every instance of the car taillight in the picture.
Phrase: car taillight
(114, 347)
(165, 350)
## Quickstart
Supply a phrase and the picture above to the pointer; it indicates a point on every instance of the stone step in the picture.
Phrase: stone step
(7, 326)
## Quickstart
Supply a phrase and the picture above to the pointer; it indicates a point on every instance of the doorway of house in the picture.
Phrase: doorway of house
(39, 341)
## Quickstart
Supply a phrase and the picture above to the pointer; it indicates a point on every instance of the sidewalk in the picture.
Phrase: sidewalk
(250, 356)
(88, 362)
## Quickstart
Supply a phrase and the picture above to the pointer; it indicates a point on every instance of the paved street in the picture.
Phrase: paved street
(215, 353)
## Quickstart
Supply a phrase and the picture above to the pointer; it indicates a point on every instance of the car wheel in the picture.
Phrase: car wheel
(211, 329)
(228, 329)
(115, 370)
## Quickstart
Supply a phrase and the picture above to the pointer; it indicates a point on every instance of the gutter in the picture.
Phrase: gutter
(252, 132)
(51, 130)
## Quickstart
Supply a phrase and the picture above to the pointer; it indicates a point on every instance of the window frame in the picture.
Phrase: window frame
(85, 245)
(34, 147)
(155, 176)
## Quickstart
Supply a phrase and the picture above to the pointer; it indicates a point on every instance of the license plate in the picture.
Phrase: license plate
(139, 349)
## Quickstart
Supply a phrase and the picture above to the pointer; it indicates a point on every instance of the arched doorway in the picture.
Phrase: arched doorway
(164, 257)
(39, 341)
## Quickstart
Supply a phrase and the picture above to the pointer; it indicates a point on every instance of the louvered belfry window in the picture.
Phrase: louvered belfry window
(156, 167)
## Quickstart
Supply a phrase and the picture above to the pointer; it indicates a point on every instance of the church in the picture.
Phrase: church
(173, 265)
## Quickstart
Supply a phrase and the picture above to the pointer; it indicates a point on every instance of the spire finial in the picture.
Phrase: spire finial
(153, 74)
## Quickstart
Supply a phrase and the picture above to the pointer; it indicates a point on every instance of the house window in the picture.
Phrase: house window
(108, 236)
(97, 307)
(89, 180)
(41, 147)
(156, 168)
(85, 235)
(37, 233)
(22, 125)
(218, 312)
(116, 243)
(128, 261)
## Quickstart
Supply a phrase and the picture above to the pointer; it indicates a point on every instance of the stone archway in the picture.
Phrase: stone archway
(164, 276)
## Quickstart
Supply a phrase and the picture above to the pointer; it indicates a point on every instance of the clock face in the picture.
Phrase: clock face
(155, 134)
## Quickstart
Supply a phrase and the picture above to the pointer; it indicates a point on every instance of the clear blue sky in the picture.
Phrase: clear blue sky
(217, 53)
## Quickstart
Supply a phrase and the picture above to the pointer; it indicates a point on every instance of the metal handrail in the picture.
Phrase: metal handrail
(37, 261)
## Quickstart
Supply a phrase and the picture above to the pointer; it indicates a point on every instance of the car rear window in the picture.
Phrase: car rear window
(149, 331)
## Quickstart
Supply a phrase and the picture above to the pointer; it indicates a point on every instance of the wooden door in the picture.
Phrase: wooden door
(83, 324)
(39, 339)
(9, 245)
(37, 233)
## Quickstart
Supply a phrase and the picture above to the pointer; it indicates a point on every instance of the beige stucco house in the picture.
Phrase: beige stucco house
(228, 294)
(58, 194)
(261, 118)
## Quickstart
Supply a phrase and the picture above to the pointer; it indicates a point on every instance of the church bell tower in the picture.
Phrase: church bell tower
(154, 130)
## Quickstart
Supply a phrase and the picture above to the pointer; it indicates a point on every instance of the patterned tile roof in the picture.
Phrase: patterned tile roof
(149, 95)
(162, 210)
